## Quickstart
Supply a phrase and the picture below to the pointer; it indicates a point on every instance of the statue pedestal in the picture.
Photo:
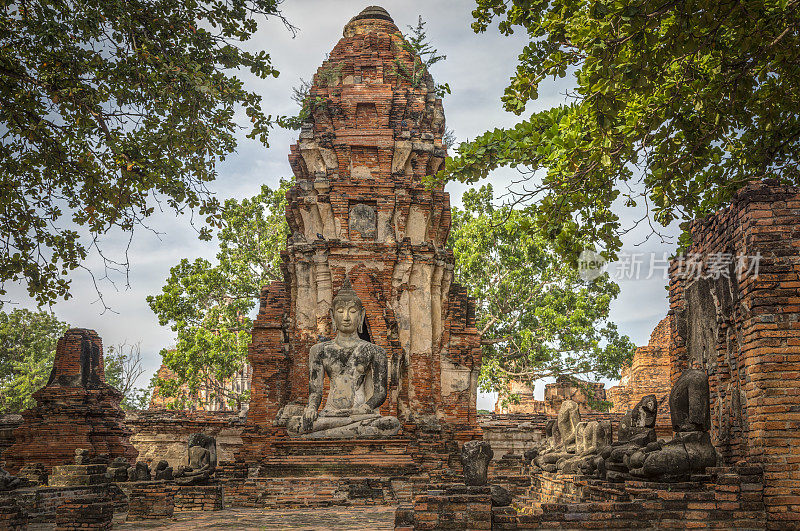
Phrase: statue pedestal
(199, 498)
(324, 472)
(339, 458)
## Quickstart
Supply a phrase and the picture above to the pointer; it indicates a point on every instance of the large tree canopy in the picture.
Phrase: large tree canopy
(208, 306)
(676, 104)
(27, 348)
(537, 316)
(109, 110)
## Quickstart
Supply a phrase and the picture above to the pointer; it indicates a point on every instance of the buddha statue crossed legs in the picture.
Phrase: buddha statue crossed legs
(357, 371)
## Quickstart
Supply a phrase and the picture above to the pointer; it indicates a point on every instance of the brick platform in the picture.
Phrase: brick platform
(382, 457)
(448, 506)
(151, 501)
(318, 491)
(84, 513)
(200, 498)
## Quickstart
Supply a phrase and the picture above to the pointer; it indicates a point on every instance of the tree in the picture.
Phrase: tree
(27, 349)
(538, 318)
(676, 105)
(424, 57)
(110, 110)
(123, 367)
(208, 306)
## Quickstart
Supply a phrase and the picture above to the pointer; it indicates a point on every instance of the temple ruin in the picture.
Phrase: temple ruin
(365, 360)
(76, 409)
(360, 211)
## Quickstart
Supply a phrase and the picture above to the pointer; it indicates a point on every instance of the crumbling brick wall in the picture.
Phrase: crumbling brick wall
(164, 434)
(735, 298)
(590, 397)
(75, 409)
(648, 373)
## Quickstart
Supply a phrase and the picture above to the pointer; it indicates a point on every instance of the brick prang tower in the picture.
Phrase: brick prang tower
(76, 409)
(360, 209)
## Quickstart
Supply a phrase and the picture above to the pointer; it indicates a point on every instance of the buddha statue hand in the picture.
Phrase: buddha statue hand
(309, 416)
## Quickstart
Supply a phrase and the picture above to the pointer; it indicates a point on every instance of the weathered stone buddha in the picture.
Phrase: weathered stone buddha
(591, 438)
(7, 481)
(202, 459)
(357, 372)
(567, 421)
(551, 440)
(636, 431)
(691, 450)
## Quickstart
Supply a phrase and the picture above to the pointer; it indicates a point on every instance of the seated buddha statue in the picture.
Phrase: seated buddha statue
(567, 421)
(357, 373)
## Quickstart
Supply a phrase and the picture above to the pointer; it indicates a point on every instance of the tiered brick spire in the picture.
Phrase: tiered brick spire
(359, 208)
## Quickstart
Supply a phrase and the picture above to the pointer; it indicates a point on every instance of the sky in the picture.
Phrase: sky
(477, 68)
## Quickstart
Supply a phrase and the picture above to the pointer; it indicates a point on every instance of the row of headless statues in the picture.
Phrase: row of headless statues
(575, 447)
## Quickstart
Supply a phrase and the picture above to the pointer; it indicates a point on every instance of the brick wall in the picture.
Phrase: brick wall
(648, 373)
(164, 434)
(586, 394)
(743, 327)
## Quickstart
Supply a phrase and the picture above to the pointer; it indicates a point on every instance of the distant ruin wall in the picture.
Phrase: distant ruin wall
(555, 393)
(648, 373)
(517, 433)
(163, 434)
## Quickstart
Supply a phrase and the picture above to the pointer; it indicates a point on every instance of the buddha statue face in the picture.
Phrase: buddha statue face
(348, 310)
(347, 317)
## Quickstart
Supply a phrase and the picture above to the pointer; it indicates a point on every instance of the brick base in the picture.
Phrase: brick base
(84, 513)
(200, 498)
(727, 498)
(151, 501)
(318, 491)
(12, 516)
(447, 506)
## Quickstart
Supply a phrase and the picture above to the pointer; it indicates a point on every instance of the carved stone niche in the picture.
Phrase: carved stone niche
(363, 221)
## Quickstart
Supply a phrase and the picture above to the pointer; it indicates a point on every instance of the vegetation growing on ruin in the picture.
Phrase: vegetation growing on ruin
(209, 305)
(537, 316)
(112, 110)
(675, 106)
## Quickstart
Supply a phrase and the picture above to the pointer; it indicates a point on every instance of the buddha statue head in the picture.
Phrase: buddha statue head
(347, 310)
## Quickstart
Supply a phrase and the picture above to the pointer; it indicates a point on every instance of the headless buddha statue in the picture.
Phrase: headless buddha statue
(591, 438)
(691, 450)
(357, 372)
(568, 418)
